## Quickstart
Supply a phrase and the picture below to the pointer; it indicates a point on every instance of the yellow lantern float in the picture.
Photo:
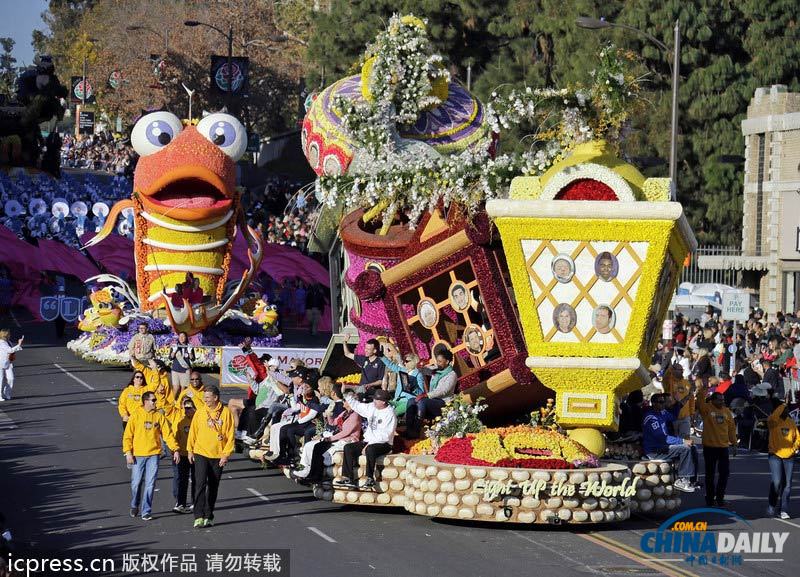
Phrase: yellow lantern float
(592, 278)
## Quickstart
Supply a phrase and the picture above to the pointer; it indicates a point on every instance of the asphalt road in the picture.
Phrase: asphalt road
(64, 486)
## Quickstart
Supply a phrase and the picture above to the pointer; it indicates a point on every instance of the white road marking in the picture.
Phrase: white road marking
(321, 534)
(259, 495)
(113, 402)
(788, 522)
(14, 318)
(70, 375)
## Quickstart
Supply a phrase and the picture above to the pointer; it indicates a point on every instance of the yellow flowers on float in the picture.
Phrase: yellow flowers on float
(588, 361)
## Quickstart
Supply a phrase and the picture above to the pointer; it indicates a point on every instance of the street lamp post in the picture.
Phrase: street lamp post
(229, 72)
(596, 24)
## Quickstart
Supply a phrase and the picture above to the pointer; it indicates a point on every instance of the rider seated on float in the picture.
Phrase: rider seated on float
(192, 290)
(177, 297)
(659, 444)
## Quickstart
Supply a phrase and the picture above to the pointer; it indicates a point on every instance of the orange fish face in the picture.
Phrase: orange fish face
(187, 173)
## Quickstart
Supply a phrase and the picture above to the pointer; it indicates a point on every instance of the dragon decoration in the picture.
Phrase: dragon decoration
(186, 212)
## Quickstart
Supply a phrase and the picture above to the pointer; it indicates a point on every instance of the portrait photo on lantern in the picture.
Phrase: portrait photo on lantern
(563, 268)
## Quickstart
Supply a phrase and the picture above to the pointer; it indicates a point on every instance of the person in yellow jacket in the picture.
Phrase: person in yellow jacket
(784, 442)
(182, 471)
(211, 441)
(141, 444)
(194, 391)
(719, 433)
(130, 399)
(679, 388)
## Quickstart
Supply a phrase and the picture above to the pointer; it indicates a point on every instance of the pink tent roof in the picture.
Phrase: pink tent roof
(59, 257)
(115, 253)
(22, 259)
(281, 262)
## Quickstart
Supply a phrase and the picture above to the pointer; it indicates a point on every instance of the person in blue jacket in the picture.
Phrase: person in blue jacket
(659, 444)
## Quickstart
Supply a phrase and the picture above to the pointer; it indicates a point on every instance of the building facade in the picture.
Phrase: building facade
(770, 257)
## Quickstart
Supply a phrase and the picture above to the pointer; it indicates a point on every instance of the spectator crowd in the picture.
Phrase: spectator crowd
(103, 152)
(733, 387)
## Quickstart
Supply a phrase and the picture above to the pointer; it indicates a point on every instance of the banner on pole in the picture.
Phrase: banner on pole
(233, 368)
(240, 72)
(78, 90)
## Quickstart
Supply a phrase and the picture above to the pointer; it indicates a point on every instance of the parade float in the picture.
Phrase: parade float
(186, 211)
(547, 272)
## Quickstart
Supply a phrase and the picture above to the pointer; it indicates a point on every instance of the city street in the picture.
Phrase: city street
(65, 487)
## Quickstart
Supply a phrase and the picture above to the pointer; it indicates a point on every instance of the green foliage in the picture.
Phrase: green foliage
(8, 72)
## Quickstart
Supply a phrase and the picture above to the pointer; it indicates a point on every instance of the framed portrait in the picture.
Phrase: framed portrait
(606, 266)
(428, 313)
(475, 339)
(564, 318)
(603, 319)
(459, 296)
(563, 268)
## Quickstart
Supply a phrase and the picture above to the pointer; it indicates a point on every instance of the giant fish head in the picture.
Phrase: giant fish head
(187, 173)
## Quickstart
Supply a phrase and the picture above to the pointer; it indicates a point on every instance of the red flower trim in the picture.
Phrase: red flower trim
(586, 189)
(369, 286)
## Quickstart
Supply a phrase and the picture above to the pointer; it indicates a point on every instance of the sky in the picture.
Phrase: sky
(18, 19)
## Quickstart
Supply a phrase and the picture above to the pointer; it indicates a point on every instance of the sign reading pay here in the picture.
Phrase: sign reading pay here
(735, 306)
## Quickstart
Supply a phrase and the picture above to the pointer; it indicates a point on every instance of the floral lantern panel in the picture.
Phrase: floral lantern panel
(593, 279)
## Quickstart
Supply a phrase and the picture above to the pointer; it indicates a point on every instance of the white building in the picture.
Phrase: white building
(771, 220)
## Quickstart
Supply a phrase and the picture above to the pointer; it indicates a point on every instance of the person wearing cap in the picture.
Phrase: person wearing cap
(784, 443)
(378, 439)
(210, 444)
(719, 434)
(146, 431)
(296, 421)
(182, 471)
(658, 443)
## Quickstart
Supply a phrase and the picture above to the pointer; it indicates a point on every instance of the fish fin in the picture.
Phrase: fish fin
(111, 220)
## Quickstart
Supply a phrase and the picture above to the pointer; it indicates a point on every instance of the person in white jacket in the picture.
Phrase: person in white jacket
(7, 363)
(378, 439)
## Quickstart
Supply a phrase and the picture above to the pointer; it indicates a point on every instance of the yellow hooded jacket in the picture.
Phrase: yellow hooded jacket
(212, 432)
(783, 437)
(130, 400)
(719, 428)
(193, 393)
(144, 433)
(181, 424)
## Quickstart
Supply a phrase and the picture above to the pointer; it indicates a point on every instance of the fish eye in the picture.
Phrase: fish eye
(154, 131)
(226, 132)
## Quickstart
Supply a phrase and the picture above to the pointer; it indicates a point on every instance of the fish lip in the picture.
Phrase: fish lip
(188, 176)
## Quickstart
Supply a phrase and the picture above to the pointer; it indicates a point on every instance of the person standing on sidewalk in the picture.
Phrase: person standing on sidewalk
(183, 470)
(7, 353)
(141, 444)
(210, 444)
(784, 442)
(719, 433)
